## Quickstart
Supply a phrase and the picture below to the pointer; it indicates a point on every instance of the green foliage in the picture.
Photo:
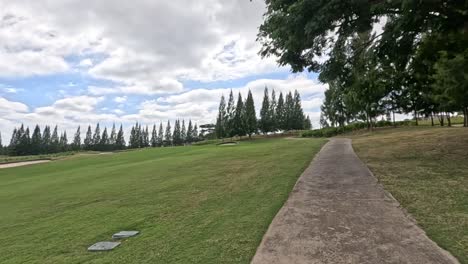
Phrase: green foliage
(415, 65)
(265, 122)
(249, 115)
(221, 120)
(334, 131)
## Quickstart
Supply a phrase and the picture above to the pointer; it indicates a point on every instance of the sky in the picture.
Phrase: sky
(76, 63)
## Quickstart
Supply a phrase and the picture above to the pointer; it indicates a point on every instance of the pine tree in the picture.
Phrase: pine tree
(272, 112)
(96, 137)
(221, 119)
(176, 140)
(63, 142)
(168, 135)
(88, 141)
(250, 118)
(154, 137)
(238, 122)
(298, 113)
(189, 138)
(36, 141)
(230, 113)
(104, 141)
(120, 140)
(196, 136)
(13, 142)
(289, 112)
(146, 141)
(280, 113)
(307, 123)
(140, 136)
(160, 139)
(112, 138)
(77, 140)
(46, 140)
(183, 133)
(24, 142)
(265, 121)
(54, 140)
(133, 138)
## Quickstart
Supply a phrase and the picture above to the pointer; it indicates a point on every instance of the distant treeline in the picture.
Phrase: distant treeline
(50, 141)
(240, 119)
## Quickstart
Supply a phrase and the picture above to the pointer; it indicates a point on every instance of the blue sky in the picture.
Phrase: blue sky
(80, 62)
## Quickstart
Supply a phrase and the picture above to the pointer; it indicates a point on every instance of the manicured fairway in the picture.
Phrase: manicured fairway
(200, 204)
(426, 169)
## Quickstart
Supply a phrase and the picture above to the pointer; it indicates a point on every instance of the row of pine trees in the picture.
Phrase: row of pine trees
(240, 119)
(50, 141)
(179, 136)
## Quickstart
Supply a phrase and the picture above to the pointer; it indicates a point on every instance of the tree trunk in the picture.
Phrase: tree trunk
(432, 120)
(441, 119)
(394, 124)
(416, 117)
(449, 122)
(465, 119)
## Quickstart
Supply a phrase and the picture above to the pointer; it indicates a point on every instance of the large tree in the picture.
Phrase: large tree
(238, 124)
(36, 141)
(88, 141)
(230, 113)
(221, 120)
(250, 118)
(168, 136)
(265, 113)
(76, 145)
(120, 139)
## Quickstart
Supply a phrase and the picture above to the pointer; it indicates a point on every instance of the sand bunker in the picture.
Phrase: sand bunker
(22, 163)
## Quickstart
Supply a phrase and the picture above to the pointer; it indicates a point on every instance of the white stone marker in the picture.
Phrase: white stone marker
(125, 234)
(103, 246)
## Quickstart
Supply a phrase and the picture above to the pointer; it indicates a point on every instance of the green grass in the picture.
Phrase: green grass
(456, 120)
(199, 204)
(426, 170)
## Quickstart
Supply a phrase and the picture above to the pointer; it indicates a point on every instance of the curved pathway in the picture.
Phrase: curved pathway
(338, 213)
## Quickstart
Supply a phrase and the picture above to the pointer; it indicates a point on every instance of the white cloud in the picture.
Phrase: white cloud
(146, 47)
(11, 90)
(85, 63)
(120, 99)
(118, 111)
(7, 106)
(158, 87)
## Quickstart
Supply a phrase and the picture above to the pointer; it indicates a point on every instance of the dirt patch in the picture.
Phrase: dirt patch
(22, 163)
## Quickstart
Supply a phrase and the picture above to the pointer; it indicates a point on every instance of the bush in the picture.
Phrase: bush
(334, 131)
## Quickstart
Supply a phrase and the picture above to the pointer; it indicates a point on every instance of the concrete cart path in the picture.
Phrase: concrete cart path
(338, 213)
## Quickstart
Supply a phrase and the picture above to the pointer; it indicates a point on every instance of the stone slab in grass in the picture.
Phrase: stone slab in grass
(125, 234)
(103, 246)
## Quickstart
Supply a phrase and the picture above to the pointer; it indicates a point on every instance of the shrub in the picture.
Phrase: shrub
(333, 131)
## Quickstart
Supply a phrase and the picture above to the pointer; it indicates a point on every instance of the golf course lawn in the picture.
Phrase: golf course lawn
(198, 204)
(426, 170)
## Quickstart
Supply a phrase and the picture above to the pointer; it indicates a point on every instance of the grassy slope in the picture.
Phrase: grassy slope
(426, 169)
(204, 204)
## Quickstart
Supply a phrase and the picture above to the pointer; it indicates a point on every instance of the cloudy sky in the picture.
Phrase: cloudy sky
(76, 62)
